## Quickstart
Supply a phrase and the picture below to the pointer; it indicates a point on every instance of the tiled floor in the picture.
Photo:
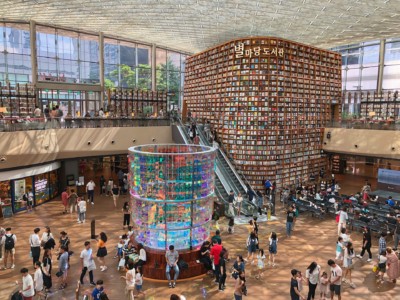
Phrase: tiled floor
(313, 240)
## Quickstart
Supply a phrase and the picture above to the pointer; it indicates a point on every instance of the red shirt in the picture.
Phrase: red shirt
(215, 251)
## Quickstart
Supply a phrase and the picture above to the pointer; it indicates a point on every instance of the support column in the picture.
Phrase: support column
(153, 67)
(381, 65)
(34, 69)
(101, 69)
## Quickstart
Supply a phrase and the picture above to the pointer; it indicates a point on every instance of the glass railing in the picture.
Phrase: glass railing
(366, 124)
(22, 124)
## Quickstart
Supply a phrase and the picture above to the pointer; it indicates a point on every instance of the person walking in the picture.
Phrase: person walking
(82, 210)
(115, 194)
(72, 201)
(260, 202)
(222, 266)
(290, 215)
(393, 270)
(8, 241)
(102, 251)
(366, 244)
(87, 263)
(172, 257)
(102, 185)
(110, 185)
(294, 286)
(231, 199)
(35, 245)
(64, 200)
(239, 200)
(38, 282)
(251, 246)
(348, 263)
(273, 248)
(382, 243)
(130, 279)
(28, 288)
(90, 191)
(335, 279)
(313, 274)
(126, 210)
(342, 219)
(240, 283)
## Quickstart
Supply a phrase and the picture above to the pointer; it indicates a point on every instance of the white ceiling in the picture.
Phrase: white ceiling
(195, 25)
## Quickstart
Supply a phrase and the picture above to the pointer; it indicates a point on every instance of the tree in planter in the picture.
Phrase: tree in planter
(168, 79)
(128, 77)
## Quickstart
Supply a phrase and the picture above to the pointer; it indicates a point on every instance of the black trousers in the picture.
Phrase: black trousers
(206, 261)
(217, 273)
(311, 291)
(35, 254)
(84, 273)
(368, 249)
(91, 195)
(222, 279)
(127, 219)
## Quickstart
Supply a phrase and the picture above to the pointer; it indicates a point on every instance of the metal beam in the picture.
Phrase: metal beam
(381, 65)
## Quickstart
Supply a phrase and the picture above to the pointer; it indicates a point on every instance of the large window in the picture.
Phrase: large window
(170, 73)
(67, 56)
(15, 54)
(391, 71)
(127, 65)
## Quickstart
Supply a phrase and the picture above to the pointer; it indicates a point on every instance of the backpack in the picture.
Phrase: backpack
(50, 244)
(25, 197)
(9, 243)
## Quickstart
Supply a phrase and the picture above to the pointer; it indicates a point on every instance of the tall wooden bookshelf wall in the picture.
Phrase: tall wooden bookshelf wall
(269, 99)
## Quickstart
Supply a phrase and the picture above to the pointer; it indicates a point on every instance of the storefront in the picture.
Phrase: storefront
(41, 182)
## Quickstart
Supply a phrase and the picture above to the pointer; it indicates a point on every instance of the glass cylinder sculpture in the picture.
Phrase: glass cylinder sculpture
(172, 194)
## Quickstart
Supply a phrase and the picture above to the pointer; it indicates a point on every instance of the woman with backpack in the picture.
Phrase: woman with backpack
(47, 239)
(46, 268)
(251, 247)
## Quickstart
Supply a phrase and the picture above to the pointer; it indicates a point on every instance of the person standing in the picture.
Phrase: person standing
(382, 242)
(35, 245)
(64, 200)
(313, 273)
(127, 214)
(115, 194)
(72, 201)
(102, 251)
(260, 202)
(28, 288)
(81, 210)
(250, 193)
(130, 278)
(110, 185)
(397, 233)
(102, 185)
(294, 286)
(90, 190)
(172, 257)
(63, 267)
(267, 185)
(335, 279)
(366, 244)
(216, 250)
(231, 199)
(273, 248)
(239, 284)
(38, 281)
(392, 265)
(87, 263)
(289, 221)
(342, 219)
(46, 269)
(239, 200)
(222, 266)
(8, 241)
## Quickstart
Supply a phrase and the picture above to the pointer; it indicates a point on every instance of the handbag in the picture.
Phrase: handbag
(337, 218)
(59, 273)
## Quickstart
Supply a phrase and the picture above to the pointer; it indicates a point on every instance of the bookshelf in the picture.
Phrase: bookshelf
(269, 100)
(380, 105)
(138, 103)
(19, 100)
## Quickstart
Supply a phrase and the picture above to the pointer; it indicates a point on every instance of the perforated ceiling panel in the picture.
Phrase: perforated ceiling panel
(194, 25)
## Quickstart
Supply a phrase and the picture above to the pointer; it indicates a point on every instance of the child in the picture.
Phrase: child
(139, 281)
(231, 224)
(339, 248)
(300, 280)
(382, 259)
(130, 231)
(81, 210)
(120, 246)
(260, 263)
(323, 287)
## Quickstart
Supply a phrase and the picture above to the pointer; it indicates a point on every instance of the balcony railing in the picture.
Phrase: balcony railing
(365, 124)
(22, 124)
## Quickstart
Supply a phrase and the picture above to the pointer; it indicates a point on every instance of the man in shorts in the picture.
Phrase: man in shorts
(335, 279)
(8, 241)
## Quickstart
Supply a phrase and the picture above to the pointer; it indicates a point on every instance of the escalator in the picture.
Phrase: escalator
(227, 179)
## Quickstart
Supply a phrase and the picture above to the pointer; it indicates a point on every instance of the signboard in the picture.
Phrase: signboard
(389, 176)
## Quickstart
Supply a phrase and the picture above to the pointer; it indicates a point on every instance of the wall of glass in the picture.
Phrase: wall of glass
(127, 65)
(391, 71)
(170, 71)
(15, 54)
(67, 56)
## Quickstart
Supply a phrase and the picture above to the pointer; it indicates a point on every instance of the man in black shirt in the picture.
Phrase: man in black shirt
(222, 266)
(289, 221)
(366, 244)
(231, 199)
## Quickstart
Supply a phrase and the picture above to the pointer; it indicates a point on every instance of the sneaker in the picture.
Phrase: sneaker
(369, 259)
(79, 222)
(344, 280)
(101, 268)
(104, 268)
(220, 290)
(12, 266)
(170, 285)
(263, 257)
(352, 285)
(92, 203)
(174, 284)
(92, 283)
(359, 256)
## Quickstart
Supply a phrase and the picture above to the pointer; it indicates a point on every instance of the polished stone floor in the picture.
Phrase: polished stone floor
(313, 240)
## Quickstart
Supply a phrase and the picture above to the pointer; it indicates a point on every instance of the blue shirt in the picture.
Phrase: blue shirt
(390, 202)
(97, 292)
